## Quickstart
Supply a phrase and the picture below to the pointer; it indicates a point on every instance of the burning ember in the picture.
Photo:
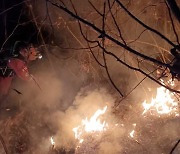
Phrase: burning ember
(163, 103)
(52, 141)
(90, 126)
(133, 131)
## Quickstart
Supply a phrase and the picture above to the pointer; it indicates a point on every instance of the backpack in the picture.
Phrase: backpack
(5, 71)
(7, 54)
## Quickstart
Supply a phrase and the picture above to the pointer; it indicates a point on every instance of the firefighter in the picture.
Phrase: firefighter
(16, 65)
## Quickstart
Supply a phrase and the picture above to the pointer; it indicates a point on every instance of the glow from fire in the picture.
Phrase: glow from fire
(52, 140)
(90, 126)
(163, 103)
(170, 82)
(133, 131)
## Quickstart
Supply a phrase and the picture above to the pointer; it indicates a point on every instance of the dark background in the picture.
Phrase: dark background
(12, 13)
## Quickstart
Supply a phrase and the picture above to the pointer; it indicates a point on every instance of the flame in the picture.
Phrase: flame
(52, 140)
(170, 82)
(163, 103)
(90, 126)
(133, 131)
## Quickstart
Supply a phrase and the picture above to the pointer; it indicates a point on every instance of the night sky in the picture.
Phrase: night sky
(9, 19)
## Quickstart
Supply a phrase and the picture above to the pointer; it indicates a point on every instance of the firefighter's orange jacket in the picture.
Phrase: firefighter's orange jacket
(20, 69)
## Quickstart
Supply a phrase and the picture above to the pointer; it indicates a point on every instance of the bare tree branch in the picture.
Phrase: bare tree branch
(172, 22)
(94, 55)
(10, 8)
(3, 144)
(175, 9)
(137, 37)
(174, 147)
(95, 8)
(120, 44)
(104, 57)
(115, 22)
(138, 70)
(144, 25)
(68, 48)
(109, 37)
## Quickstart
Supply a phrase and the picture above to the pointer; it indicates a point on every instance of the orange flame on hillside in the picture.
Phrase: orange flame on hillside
(90, 126)
(163, 103)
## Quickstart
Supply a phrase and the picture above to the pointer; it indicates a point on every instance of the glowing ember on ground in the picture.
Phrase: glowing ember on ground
(133, 131)
(163, 103)
(90, 126)
(170, 82)
(52, 140)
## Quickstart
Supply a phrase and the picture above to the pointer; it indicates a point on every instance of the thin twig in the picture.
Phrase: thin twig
(175, 9)
(137, 37)
(104, 57)
(105, 64)
(10, 8)
(79, 48)
(94, 55)
(174, 147)
(144, 25)
(12, 32)
(137, 69)
(172, 22)
(4, 145)
(130, 91)
(95, 8)
(117, 26)
(47, 11)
